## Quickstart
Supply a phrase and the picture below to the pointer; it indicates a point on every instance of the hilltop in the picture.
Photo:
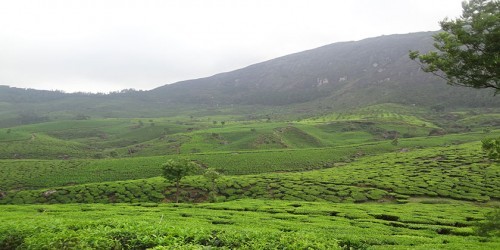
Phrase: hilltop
(342, 75)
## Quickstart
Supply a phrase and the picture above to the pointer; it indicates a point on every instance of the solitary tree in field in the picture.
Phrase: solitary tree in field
(395, 141)
(176, 170)
(492, 148)
(468, 48)
(212, 175)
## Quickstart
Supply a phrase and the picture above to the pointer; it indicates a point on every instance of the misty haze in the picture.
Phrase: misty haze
(224, 124)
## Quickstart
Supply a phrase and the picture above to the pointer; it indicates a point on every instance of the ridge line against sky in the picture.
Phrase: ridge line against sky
(109, 45)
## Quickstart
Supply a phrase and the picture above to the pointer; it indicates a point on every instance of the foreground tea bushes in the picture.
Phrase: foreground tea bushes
(244, 224)
(456, 172)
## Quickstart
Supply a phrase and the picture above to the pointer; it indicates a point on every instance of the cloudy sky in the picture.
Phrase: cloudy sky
(108, 45)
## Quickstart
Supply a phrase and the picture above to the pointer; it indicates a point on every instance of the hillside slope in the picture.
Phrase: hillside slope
(370, 71)
(338, 76)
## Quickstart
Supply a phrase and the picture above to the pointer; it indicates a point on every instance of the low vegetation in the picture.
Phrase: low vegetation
(455, 172)
(407, 177)
(244, 224)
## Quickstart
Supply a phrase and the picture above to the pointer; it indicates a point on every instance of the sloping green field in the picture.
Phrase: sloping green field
(455, 172)
(381, 177)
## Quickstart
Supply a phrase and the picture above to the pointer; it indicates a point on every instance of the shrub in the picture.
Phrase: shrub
(492, 147)
(491, 225)
(12, 240)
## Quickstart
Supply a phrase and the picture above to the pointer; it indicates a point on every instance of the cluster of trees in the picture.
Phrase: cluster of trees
(30, 117)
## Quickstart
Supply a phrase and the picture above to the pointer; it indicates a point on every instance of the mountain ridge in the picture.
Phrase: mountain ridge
(337, 76)
(328, 71)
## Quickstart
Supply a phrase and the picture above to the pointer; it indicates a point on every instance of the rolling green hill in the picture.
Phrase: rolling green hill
(188, 134)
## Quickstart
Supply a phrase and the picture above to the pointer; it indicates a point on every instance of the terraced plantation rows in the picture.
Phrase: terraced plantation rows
(244, 224)
(455, 172)
(112, 138)
(380, 177)
(33, 174)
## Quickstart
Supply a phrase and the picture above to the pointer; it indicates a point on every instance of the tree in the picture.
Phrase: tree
(212, 175)
(30, 117)
(492, 147)
(82, 117)
(438, 108)
(395, 141)
(113, 154)
(468, 48)
(176, 170)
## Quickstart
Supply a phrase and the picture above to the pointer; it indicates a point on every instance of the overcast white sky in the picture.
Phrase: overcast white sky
(108, 45)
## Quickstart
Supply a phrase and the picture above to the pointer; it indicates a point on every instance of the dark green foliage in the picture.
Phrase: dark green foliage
(212, 175)
(30, 117)
(175, 170)
(438, 108)
(492, 147)
(11, 240)
(387, 217)
(491, 224)
(395, 141)
(113, 154)
(468, 48)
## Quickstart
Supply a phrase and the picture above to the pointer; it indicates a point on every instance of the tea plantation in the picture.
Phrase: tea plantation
(244, 224)
(381, 177)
